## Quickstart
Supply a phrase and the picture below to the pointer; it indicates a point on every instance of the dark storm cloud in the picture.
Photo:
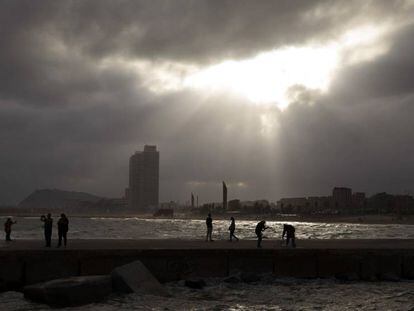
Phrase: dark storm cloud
(391, 75)
(69, 120)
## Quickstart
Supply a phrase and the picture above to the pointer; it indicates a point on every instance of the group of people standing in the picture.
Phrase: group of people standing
(288, 231)
(62, 225)
(63, 228)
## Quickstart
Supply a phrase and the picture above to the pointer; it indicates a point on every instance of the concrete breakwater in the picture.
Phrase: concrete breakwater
(28, 263)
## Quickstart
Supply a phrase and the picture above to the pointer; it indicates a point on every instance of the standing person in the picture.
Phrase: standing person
(289, 230)
(48, 225)
(232, 228)
(260, 227)
(63, 228)
(7, 228)
(209, 224)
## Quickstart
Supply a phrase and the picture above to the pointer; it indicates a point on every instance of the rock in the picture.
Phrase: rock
(248, 277)
(232, 279)
(351, 276)
(195, 283)
(390, 277)
(73, 291)
(136, 278)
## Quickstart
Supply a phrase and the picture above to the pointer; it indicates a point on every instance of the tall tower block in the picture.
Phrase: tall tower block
(144, 178)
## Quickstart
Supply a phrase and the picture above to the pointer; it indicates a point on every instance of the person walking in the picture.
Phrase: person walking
(209, 224)
(63, 228)
(232, 228)
(289, 230)
(48, 225)
(8, 227)
(260, 227)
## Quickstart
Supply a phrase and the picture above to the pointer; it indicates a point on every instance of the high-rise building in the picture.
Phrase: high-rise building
(144, 178)
(224, 195)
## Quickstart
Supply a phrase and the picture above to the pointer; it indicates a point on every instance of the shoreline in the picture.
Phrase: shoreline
(352, 219)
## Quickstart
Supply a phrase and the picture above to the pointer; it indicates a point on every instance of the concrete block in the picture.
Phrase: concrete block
(295, 263)
(70, 291)
(101, 265)
(136, 278)
(157, 265)
(45, 267)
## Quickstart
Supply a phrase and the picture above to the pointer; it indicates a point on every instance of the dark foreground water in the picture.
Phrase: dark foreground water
(268, 294)
(136, 228)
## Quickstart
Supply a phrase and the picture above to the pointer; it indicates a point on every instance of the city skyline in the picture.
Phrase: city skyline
(277, 98)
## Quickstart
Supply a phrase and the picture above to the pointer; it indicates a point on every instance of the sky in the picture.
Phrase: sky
(277, 98)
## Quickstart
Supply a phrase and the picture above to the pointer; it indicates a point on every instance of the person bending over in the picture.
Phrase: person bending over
(289, 231)
(260, 227)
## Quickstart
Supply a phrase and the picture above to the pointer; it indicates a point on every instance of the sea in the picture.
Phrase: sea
(269, 293)
(138, 228)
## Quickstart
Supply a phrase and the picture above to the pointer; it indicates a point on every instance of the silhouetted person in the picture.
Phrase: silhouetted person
(289, 230)
(209, 224)
(63, 228)
(260, 227)
(7, 228)
(232, 228)
(48, 225)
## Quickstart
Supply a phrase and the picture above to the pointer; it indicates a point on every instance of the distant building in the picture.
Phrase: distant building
(224, 195)
(320, 204)
(234, 205)
(143, 187)
(358, 200)
(342, 197)
(292, 205)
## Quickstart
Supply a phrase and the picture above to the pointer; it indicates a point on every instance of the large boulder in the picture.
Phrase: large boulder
(195, 283)
(73, 291)
(248, 277)
(136, 278)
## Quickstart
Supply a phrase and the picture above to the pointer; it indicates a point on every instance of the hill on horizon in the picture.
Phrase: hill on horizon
(55, 198)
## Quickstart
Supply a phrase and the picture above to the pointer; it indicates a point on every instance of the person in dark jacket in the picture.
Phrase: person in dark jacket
(48, 225)
(289, 231)
(260, 227)
(209, 224)
(232, 228)
(8, 227)
(63, 228)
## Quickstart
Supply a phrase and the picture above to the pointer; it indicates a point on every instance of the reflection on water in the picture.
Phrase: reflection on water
(136, 228)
